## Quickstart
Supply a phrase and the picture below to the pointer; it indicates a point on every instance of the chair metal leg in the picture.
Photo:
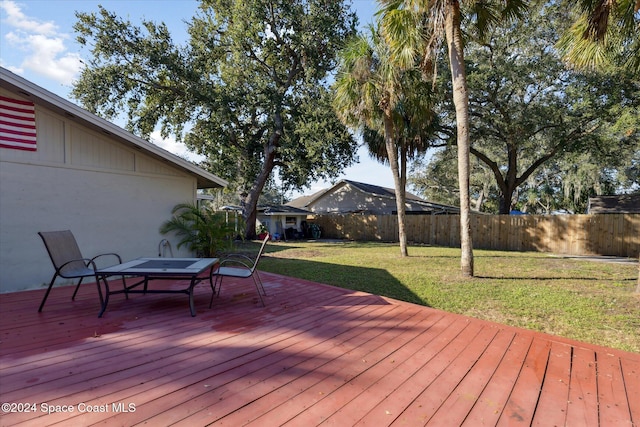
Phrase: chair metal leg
(73, 298)
(46, 295)
(261, 285)
(258, 289)
(100, 290)
(124, 287)
(215, 285)
(212, 281)
(104, 302)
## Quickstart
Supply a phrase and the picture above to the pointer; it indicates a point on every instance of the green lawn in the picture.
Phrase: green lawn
(583, 300)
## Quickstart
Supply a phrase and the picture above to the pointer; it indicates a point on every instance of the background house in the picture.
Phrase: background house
(356, 197)
(112, 189)
(624, 203)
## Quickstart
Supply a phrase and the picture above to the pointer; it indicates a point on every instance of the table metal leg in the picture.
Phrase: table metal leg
(106, 296)
(192, 307)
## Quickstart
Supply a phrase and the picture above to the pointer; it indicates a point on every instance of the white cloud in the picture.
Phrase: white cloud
(175, 147)
(19, 20)
(43, 47)
(48, 57)
(15, 70)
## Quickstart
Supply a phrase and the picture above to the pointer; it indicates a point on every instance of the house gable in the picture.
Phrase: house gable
(68, 113)
(110, 188)
(355, 197)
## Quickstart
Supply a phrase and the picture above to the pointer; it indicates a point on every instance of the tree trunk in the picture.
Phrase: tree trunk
(250, 202)
(461, 102)
(505, 203)
(250, 205)
(392, 154)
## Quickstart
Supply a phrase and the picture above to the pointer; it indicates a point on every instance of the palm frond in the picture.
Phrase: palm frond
(202, 230)
(402, 30)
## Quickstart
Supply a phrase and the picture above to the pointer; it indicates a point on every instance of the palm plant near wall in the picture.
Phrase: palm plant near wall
(202, 230)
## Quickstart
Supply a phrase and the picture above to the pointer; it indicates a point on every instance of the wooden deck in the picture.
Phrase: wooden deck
(316, 355)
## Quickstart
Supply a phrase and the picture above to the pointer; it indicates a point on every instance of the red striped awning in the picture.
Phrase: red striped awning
(17, 124)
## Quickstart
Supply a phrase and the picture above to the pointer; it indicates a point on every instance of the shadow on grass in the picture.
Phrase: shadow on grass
(572, 273)
(596, 279)
(377, 281)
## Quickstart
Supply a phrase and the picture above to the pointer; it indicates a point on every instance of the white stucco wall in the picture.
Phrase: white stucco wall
(112, 197)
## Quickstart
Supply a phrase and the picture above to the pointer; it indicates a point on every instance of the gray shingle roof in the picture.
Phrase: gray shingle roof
(624, 203)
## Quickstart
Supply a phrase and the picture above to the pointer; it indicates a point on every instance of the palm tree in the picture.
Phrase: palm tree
(388, 106)
(416, 28)
(607, 32)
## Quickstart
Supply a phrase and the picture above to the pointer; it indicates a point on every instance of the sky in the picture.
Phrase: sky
(37, 42)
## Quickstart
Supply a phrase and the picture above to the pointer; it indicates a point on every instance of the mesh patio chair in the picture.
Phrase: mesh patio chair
(239, 266)
(69, 262)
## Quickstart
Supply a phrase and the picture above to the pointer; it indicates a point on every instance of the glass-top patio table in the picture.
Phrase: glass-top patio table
(159, 268)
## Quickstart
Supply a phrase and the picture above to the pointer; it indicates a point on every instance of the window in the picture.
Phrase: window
(291, 221)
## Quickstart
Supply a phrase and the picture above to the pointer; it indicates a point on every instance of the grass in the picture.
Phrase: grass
(582, 300)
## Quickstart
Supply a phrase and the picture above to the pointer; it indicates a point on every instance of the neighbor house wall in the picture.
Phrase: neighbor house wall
(111, 196)
(348, 199)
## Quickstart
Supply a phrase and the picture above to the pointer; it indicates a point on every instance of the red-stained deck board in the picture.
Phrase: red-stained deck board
(266, 394)
(313, 387)
(384, 377)
(191, 370)
(612, 394)
(240, 388)
(583, 389)
(91, 364)
(379, 386)
(436, 361)
(455, 409)
(349, 339)
(216, 376)
(420, 411)
(315, 355)
(631, 371)
(552, 404)
(522, 402)
(488, 408)
(335, 391)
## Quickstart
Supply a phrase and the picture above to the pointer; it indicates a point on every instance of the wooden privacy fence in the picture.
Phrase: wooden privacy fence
(600, 234)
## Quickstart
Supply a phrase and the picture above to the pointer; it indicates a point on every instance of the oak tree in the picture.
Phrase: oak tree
(248, 90)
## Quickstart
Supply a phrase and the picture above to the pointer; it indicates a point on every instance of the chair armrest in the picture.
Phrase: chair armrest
(237, 261)
(105, 255)
(234, 257)
(86, 261)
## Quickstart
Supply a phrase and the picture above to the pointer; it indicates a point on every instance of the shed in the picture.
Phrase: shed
(282, 221)
(74, 170)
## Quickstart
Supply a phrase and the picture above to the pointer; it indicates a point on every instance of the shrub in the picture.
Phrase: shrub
(203, 230)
